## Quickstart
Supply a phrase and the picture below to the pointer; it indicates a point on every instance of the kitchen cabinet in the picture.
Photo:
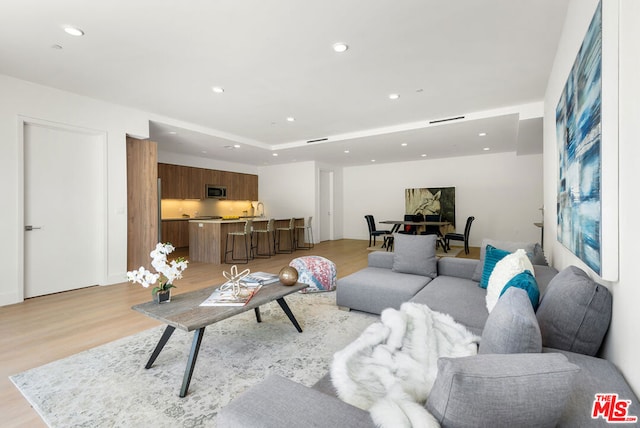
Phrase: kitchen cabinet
(245, 187)
(171, 181)
(176, 232)
(184, 182)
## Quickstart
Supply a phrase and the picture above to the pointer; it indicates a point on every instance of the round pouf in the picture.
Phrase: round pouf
(317, 272)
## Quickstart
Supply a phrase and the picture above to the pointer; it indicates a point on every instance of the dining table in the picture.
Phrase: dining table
(440, 237)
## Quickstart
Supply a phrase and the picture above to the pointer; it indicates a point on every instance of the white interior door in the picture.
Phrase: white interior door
(326, 205)
(63, 190)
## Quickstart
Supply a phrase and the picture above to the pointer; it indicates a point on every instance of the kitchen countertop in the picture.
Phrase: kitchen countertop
(221, 220)
(238, 220)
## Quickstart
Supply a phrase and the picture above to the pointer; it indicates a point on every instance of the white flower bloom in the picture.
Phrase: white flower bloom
(171, 271)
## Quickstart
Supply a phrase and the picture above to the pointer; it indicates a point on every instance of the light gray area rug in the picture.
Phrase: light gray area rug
(108, 386)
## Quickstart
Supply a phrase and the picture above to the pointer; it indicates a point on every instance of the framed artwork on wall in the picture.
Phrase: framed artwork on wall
(586, 131)
(433, 200)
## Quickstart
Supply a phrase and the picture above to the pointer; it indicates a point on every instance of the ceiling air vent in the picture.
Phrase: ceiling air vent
(317, 140)
(446, 120)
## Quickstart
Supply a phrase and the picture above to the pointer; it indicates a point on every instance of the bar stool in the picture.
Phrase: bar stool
(248, 248)
(307, 235)
(269, 232)
(290, 230)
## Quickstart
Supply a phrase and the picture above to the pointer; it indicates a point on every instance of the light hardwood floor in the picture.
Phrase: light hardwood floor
(48, 328)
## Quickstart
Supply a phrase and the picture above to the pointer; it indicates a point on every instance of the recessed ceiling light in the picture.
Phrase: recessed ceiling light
(217, 89)
(346, 151)
(173, 133)
(237, 146)
(274, 155)
(394, 96)
(424, 155)
(73, 31)
(486, 149)
(340, 47)
(482, 134)
(373, 160)
(291, 119)
(404, 144)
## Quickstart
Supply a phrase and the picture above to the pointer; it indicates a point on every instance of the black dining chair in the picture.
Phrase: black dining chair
(459, 236)
(433, 230)
(373, 232)
(388, 239)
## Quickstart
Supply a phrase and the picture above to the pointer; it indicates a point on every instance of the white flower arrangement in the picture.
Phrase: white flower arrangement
(167, 272)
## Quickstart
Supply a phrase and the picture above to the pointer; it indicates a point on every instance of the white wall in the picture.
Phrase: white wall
(621, 345)
(503, 191)
(288, 190)
(24, 99)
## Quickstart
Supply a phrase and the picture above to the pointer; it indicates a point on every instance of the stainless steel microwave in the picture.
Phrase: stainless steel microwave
(215, 192)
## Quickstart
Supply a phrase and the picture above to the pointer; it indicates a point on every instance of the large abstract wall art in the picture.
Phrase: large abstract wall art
(579, 136)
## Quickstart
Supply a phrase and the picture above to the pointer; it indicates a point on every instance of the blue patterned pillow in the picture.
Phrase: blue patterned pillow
(492, 256)
(527, 282)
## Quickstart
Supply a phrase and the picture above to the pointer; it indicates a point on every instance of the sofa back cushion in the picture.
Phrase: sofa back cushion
(415, 254)
(512, 327)
(515, 390)
(574, 313)
(533, 250)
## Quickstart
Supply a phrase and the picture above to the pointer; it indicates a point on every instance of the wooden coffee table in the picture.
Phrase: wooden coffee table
(184, 312)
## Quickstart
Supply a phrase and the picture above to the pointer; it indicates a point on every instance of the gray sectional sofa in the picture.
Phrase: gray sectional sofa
(533, 368)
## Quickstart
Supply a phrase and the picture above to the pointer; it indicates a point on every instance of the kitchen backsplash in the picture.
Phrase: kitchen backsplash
(176, 208)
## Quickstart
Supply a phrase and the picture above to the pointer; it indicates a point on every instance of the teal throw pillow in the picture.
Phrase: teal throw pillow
(527, 282)
(492, 256)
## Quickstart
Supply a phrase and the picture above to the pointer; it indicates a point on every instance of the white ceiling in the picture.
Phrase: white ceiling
(275, 60)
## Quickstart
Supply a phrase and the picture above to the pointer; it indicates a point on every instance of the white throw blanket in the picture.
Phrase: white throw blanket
(390, 369)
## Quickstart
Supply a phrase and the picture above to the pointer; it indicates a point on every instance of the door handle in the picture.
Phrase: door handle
(29, 228)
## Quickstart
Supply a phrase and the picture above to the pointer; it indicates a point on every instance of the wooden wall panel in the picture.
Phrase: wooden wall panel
(142, 201)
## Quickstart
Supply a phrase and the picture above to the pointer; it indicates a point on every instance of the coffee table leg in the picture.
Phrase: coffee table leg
(163, 341)
(287, 311)
(191, 363)
(258, 316)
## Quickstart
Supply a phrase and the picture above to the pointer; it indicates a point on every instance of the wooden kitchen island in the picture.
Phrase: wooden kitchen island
(207, 237)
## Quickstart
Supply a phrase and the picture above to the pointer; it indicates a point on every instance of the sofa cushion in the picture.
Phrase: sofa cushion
(373, 289)
(512, 327)
(597, 376)
(461, 298)
(415, 254)
(519, 390)
(574, 313)
(279, 402)
(493, 255)
(534, 252)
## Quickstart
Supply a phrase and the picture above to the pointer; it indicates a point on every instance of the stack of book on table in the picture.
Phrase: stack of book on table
(262, 278)
(251, 284)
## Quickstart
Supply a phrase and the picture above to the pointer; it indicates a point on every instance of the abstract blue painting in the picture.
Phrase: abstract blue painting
(579, 135)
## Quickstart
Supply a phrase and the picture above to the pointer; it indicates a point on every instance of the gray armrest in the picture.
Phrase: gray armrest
(381, 259)
(460, 268)
(277, 402)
